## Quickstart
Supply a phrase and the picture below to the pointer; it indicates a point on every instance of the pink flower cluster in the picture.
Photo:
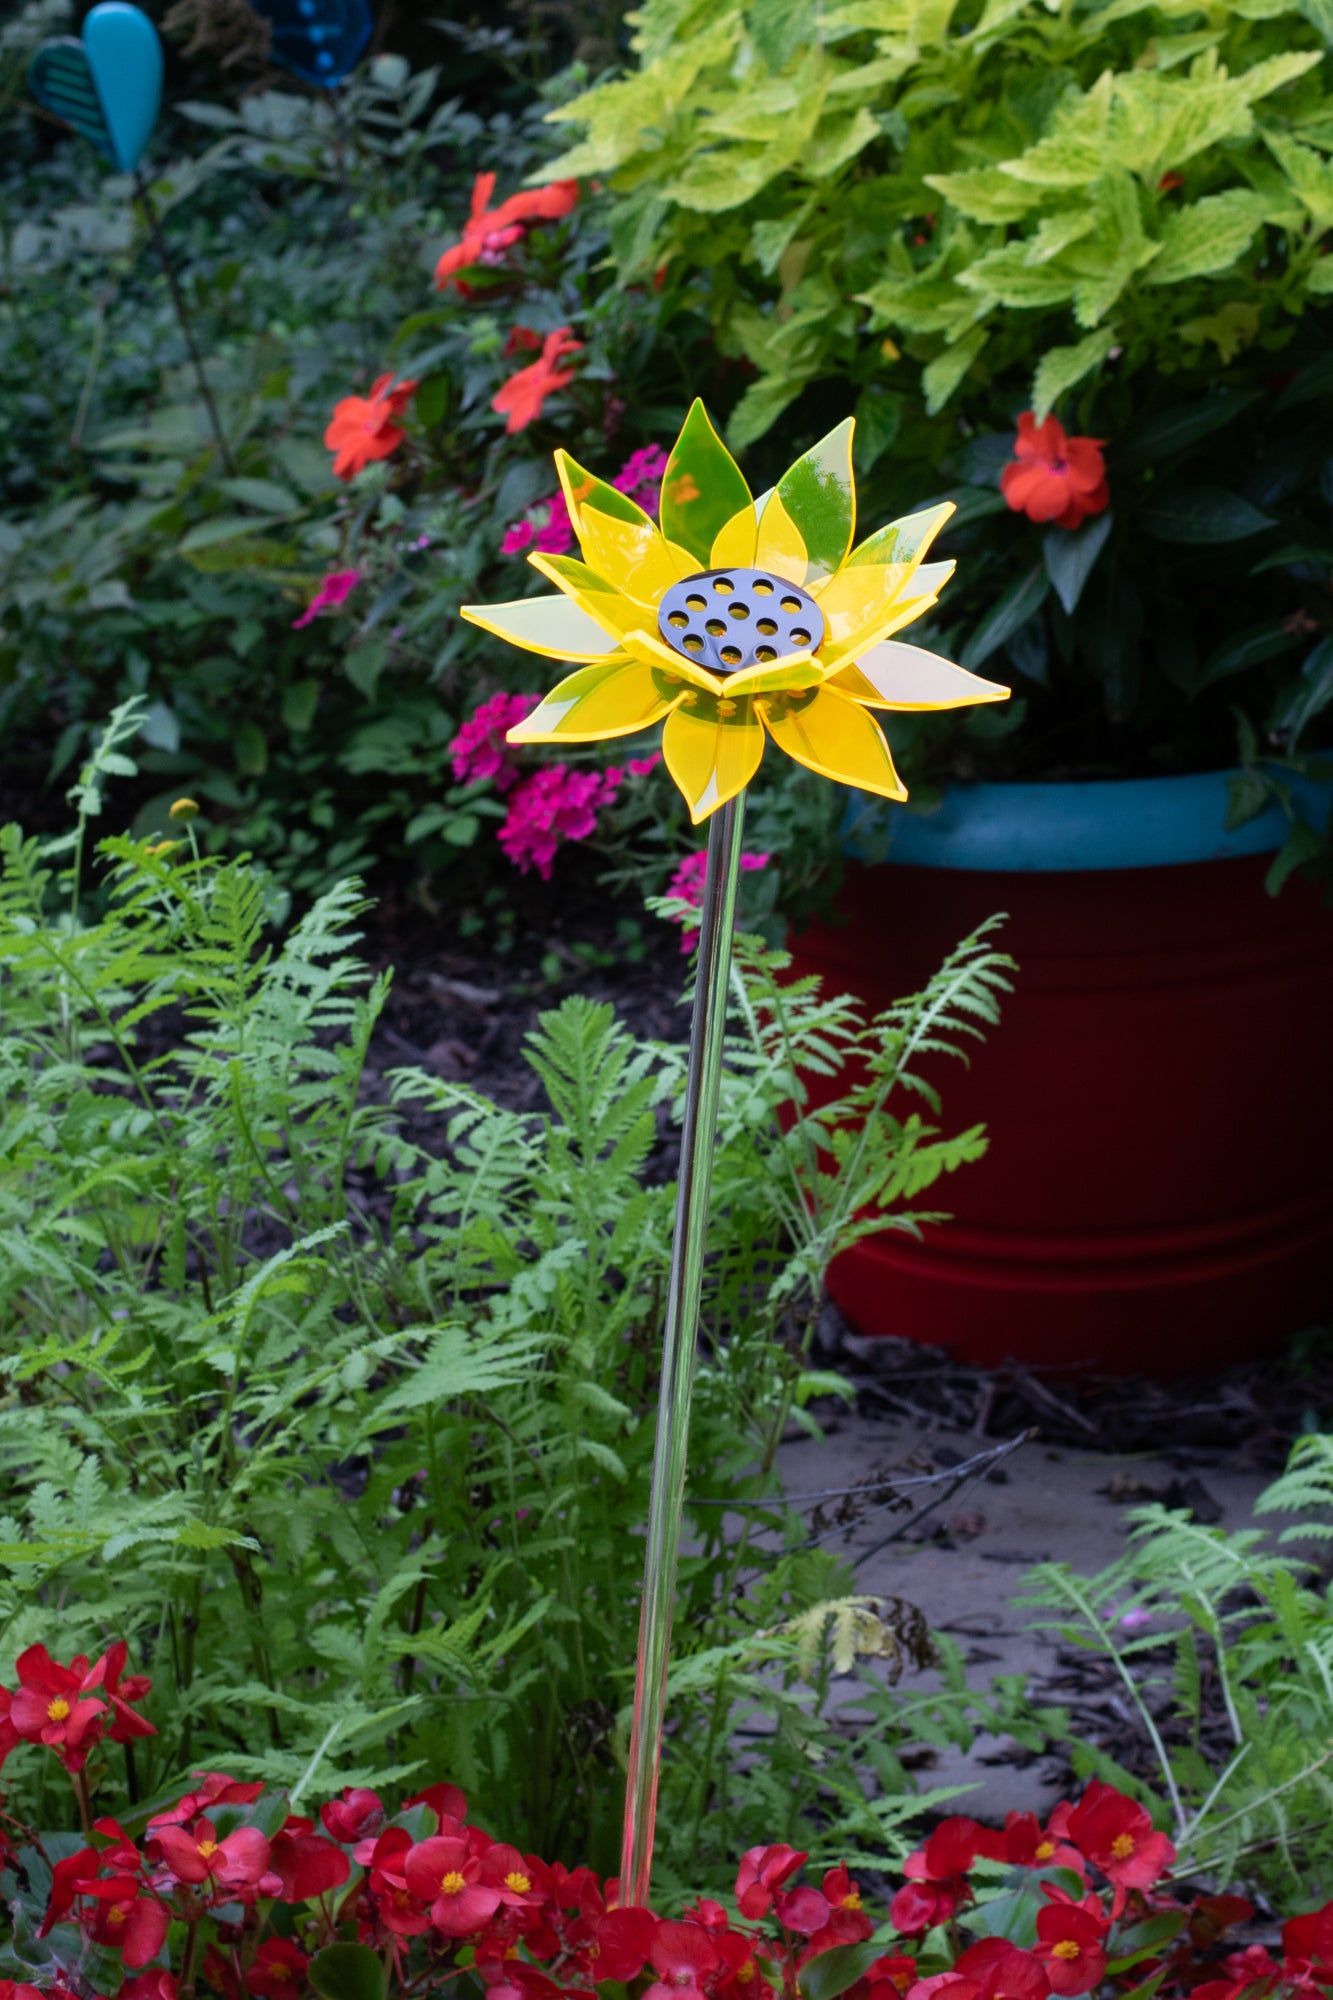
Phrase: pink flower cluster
(552, 806)
(688, 884)
(479, 749)
(333, 592)
(548, 530)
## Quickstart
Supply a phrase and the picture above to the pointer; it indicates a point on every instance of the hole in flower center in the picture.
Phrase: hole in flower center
(452, 1884)
(57, 1709)
(766, 619)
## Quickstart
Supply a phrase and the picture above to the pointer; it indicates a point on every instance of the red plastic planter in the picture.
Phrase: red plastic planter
(1158, 1193)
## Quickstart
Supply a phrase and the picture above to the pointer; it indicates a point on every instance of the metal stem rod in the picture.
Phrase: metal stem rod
(667, 1495)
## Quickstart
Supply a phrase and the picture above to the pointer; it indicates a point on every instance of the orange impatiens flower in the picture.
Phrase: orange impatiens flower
(366, 427)
(489, 232)
(1055, 478)
(520, 399)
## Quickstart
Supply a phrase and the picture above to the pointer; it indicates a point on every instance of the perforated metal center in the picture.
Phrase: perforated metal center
(726, 619)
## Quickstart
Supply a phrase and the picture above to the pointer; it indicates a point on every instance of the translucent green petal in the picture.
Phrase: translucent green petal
(904, 541)
(819, 493)
(702, 487)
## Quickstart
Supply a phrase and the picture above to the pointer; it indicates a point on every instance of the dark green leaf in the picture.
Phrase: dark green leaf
(432, 400)
(347, 1972)
(1313, 693)
(879, 414)
(1069, 558)
(834, 1971)
(1017, 605)
(1247, 797)
(1247, 649)
(1141, 1940)
(1203, 514)
(1301, 845)
(1177, 429)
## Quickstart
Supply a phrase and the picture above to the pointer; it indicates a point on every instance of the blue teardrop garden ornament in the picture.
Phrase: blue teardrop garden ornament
(107, 86)
(320, 41)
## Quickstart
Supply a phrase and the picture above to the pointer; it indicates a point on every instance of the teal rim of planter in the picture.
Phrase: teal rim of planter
(1059, 828)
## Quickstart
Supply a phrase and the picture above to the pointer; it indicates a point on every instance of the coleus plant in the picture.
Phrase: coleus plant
(222, 1888)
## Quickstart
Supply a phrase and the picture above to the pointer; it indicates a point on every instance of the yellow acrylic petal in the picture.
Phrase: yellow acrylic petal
(614, 612)
(712, 750)
(552, 626)
(646, 646)
(906, 540)
(925, 588)
(734, 545)
(612, 698)
(856, 600)
(797, 671)
(896, 675)
(634, 559)
(778, 545)
(830, 734)
(584, 489)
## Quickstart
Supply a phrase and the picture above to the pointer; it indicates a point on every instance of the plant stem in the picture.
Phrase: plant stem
(145, 201)
(666, 1498)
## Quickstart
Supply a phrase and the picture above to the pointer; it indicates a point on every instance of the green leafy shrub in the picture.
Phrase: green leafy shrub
(339, 1406)
(1223, 1645)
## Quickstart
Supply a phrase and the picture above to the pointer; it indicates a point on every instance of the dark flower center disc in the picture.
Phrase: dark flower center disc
(726, 619)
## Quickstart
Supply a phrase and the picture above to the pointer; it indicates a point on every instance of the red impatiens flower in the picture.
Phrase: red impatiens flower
(489, 232)
(58, 1705)
(682, 1956)
(1054, 477)
(520, 399)
(125, 1919)
(1071, 1945)
(238, 1862)
(763, 1870)
(1117, 1836)
(278, 1971)
(447, 1875)
(363, 428)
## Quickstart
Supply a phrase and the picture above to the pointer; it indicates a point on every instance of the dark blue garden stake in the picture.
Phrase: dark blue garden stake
(320, 41)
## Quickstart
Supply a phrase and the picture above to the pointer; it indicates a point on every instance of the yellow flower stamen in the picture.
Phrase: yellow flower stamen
(1066, 1949)
(58, 1709)
(452, 1884)
(1122, 1846)
(518, 1883)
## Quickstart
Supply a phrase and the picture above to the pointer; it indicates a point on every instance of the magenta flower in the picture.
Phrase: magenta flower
(550, 807)
(550, 532)
(335, 590)
(479, 749)
(639, 767)
(688, 884)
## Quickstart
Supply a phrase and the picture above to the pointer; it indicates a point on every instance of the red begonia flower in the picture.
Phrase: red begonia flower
(363, 428)
(67, 1878)
(356, 1814)
(762, 1871)
(121, 1692)
(238, 1862)
(943, 1986)
(520, 399)
(447, 1875)
(307, 1864)
(624, 1939)
(682, 1956)
(278, 1970)
(802, 1910)
(14, 1989)
(887, 1979)
(1026, 1844)
(1055, 478)
(214, 1789)
(1003, 1971)
(1070, 1944)
(1117, 1836)
(742, 1979)
(1309, 1939)
(123, 1918)
(57, 1705)
(154, 1985)
(1211, 1915)
(448, 1804)
(399, 1911)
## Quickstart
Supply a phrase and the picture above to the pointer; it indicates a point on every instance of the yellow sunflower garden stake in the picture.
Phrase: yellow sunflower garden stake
(733, 621)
